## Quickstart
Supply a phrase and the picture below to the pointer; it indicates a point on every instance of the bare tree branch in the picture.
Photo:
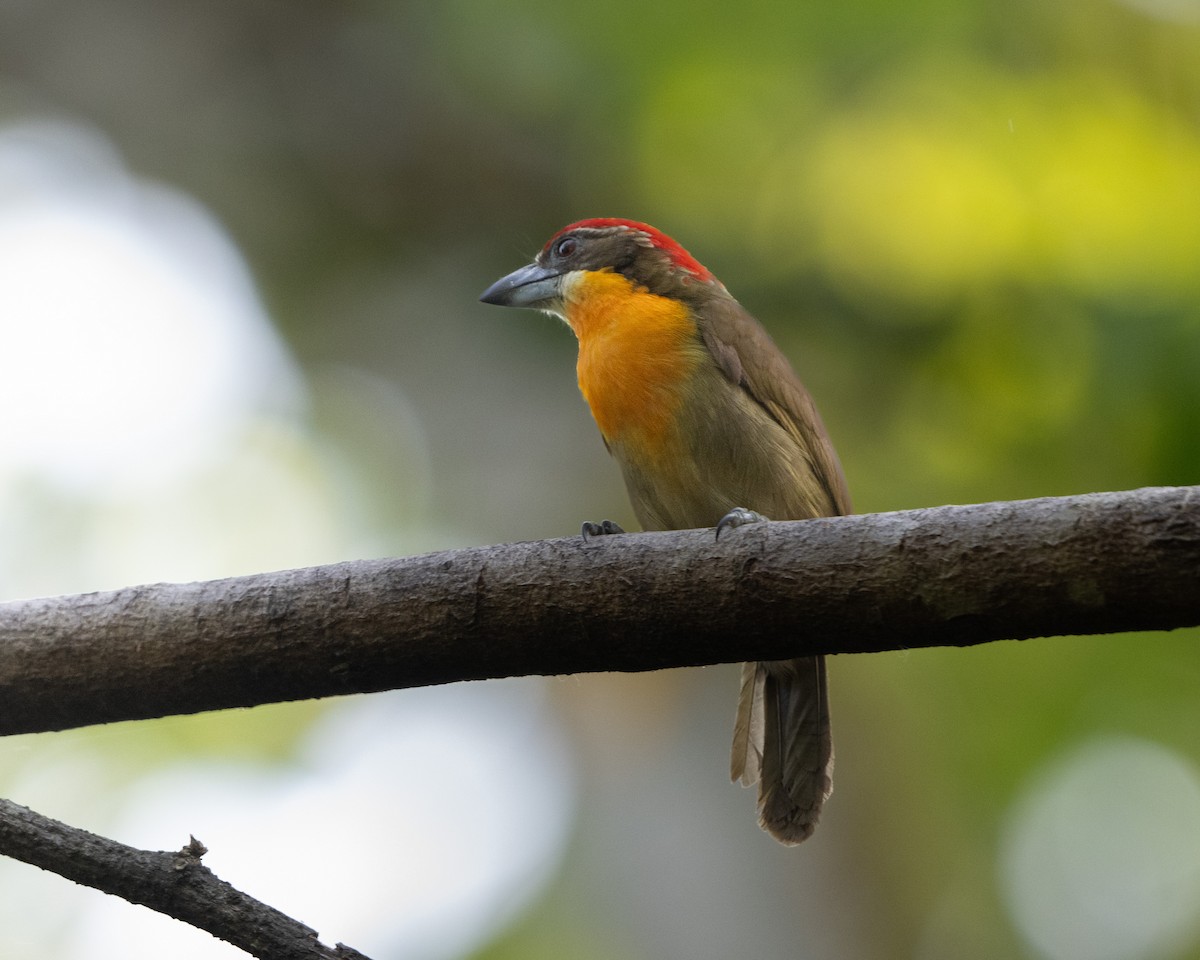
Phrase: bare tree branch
(176, 884)
(1100, 563)
(958, 575)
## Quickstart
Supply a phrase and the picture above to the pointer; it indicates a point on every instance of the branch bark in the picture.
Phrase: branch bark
(176, 884)
(957, 575)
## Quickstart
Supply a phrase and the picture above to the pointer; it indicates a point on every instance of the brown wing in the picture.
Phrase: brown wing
(782, 738)
(748, 356)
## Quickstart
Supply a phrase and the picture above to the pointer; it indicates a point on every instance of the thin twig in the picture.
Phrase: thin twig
(176, 884)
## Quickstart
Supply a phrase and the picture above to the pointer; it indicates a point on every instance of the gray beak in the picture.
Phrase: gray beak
(531, 286)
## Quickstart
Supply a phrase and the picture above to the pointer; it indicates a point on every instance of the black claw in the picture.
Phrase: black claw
(738, 517)
(602, 529)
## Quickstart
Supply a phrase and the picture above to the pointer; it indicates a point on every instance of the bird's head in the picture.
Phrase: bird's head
(649, 259)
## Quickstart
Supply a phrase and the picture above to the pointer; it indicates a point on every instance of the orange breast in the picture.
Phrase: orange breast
(637, 354)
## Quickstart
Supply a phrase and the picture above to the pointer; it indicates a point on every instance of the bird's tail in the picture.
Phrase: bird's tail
(782, 741)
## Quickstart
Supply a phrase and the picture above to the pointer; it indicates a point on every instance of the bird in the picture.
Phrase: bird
(710, 426)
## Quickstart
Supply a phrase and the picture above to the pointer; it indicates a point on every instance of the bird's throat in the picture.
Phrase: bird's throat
(637, 354)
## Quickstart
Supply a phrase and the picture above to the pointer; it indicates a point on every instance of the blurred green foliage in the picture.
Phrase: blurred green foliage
(974, 226)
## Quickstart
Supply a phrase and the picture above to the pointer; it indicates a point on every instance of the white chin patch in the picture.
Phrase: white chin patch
(569, 284)
(568, 287)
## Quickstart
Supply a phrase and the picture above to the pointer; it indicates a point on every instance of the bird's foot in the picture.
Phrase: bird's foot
(738, 517)
(602, 529)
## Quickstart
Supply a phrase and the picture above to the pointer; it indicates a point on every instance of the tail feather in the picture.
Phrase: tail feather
(746, 759)
(783, 740)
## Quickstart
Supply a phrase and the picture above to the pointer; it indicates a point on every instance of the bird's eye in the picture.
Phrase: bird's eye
(565, 247)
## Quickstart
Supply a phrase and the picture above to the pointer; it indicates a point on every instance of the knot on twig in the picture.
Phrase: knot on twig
(191, 853)
(343, 952)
